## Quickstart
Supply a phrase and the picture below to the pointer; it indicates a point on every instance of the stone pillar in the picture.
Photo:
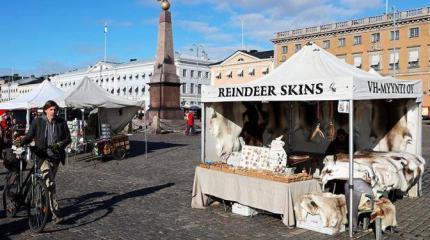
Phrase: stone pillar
(164, 84)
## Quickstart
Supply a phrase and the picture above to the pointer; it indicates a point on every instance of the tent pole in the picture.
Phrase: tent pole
(351, 163)
(65, 114)
(419, 146)
(83, 120)
(27, 118)
(203, 138)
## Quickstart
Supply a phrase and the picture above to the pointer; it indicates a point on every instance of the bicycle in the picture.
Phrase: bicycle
(30, 192)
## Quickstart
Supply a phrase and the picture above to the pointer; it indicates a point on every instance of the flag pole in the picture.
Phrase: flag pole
(105, 33)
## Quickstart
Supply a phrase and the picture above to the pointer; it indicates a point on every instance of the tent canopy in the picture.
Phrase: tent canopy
(87, 94)
(34, 99)
(315, 74)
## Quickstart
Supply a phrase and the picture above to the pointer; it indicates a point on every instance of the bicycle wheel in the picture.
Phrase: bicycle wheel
(10, 193)
(38, 209)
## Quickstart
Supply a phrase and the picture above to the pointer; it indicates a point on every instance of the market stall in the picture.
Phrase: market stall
(112, 112)
(34, 99)
(305, 102)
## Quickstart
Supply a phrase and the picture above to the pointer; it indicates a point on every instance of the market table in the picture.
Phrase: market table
(271, 196)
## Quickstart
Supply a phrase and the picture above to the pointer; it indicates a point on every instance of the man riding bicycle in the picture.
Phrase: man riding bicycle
(51, 136)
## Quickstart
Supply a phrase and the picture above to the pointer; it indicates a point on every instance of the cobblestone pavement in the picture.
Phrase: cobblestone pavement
(149, 198)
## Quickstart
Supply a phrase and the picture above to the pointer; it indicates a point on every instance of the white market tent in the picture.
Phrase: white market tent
(34, 99)
(313, 74)
(88, 94)
(113, 110)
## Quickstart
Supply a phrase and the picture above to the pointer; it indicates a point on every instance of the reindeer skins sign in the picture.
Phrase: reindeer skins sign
(258, 91)
(319, 89)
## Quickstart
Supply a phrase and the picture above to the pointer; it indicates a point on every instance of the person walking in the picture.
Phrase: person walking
(189, 115)
(51, 136)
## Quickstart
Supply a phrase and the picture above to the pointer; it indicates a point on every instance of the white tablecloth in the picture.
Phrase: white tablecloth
(271, 196)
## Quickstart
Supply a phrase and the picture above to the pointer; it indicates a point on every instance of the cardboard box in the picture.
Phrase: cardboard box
(314, 223)
(243, 210)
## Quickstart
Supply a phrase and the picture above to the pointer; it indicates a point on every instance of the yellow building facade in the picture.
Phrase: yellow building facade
(392, 44)
(242, 67)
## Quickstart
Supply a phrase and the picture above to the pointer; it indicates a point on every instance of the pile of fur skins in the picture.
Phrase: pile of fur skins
(333, 210)
(384, 171)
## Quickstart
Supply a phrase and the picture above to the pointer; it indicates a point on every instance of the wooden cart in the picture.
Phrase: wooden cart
(117, 146)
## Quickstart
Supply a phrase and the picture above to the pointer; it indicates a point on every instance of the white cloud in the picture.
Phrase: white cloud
(209, 32)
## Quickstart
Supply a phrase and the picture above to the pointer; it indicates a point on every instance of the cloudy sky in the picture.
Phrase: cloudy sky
(47, 36)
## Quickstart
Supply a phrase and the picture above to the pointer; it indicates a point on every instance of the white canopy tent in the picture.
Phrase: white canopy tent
(112, 110)
(34, 99)
(313, 74)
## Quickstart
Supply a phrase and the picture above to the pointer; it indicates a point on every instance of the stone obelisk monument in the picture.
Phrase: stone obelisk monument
(164, 110)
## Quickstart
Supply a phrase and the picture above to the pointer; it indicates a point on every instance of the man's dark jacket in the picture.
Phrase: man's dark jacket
(38, 132)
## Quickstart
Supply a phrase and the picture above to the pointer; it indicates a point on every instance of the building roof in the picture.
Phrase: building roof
(254, 53)
(260, 55)
(411, 15)
(32, 81)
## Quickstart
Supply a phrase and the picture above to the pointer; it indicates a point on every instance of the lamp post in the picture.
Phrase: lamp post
(198, 48)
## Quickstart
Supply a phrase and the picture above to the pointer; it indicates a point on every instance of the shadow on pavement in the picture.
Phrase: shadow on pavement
(13, 227)
(137, 148)
(81, 207)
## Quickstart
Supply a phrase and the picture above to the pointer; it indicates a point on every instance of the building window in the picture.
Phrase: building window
(341, 42)
(357, 40)
(192, 73)
(394, 35)
(326, 44)
(283, 58)
(184, 88)
(218, 76)
(240, 60)
(375, 37)
(342, 57)
(266, 71)
(206, 75)
(251, 72)
(284, 49)
(230, 74)
(357, 60)
(298, 47)
(413, 58)
(143, 75)
(240, 73)
(394, 60)
(191, 88)
(184, 72)
(375, 61)
(199, 74)
(414, 32)
(199, 89)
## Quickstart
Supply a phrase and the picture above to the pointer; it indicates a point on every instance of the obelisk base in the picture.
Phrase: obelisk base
(171, 120)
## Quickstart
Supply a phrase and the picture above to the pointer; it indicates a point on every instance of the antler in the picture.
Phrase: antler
(317, 131)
